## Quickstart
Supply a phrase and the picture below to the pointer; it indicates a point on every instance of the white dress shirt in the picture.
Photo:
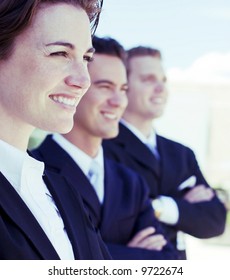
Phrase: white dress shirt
(25, 174)
(85, 162)
(169, 208)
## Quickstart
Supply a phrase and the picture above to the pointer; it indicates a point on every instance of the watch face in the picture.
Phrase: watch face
(157, 206)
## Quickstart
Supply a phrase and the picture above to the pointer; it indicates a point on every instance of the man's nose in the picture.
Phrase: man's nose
(118, 99)
(159, 87)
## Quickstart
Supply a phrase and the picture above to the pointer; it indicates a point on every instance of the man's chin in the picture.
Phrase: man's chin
(111, 134)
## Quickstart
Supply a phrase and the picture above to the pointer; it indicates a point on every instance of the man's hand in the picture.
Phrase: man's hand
(146, 240)
(198, 194)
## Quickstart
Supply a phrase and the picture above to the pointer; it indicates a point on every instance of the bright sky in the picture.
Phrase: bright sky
(193, 35)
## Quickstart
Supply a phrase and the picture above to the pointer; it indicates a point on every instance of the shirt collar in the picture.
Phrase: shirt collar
(82, 159)
(146, 140)
(14, 164)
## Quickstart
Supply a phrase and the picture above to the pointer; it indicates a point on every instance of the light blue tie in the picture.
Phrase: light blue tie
(93, 173)
(153, 149)
(94, 176)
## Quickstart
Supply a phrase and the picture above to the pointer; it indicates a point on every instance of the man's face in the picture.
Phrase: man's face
(47, 74)
(147, 93)
(102, 106)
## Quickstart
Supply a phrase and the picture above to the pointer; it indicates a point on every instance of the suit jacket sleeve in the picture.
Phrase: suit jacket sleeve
(145, 218)
(201, 220)
(208, 218)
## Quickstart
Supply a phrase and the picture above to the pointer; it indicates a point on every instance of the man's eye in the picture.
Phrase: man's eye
(88, 58)
(104, 86)
(124, 90)
(61, 53)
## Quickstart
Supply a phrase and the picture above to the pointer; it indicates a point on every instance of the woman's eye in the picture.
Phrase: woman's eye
(88, 58)
(61, 53)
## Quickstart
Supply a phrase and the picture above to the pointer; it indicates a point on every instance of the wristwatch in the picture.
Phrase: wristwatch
(158, 207)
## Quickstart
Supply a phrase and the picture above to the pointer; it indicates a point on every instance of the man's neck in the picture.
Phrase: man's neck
(145, 127)
(88, 144)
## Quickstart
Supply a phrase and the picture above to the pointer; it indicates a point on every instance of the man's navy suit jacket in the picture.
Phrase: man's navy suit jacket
(22, 238)
(177, 163)
(126, 208)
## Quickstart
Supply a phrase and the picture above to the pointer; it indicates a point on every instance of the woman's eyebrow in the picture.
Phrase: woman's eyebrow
(68, 45)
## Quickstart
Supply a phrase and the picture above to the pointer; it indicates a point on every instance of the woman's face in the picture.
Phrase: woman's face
(47, 74)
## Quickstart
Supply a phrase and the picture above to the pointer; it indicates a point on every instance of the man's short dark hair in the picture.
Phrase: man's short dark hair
(109, 46)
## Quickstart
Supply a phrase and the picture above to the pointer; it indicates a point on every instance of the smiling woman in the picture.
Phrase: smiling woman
(57, 69)
(45, 47)
(57, 51)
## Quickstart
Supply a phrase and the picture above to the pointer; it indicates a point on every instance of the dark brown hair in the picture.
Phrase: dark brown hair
(109, 46)
(16, 15)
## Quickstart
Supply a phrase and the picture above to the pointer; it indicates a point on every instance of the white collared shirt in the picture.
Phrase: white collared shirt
(25, 175)
(169, 208)
(84, 161)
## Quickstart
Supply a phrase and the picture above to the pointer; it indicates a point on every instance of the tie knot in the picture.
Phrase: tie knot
(94, 169)
(94, 172)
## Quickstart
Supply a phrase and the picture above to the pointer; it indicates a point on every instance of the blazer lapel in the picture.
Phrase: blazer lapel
(137, 149)
(110, 206)
(78, 180)
(170, 169)
(73, 213)
(69, 193)
(17, 210)
(57, 160)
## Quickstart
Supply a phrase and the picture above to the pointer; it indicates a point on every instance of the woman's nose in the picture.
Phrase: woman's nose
(78, 76)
